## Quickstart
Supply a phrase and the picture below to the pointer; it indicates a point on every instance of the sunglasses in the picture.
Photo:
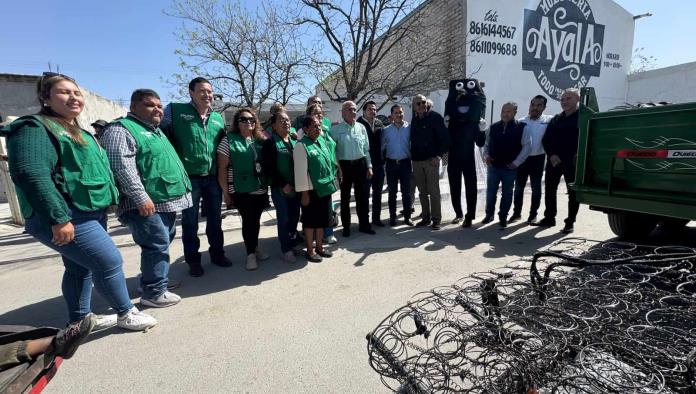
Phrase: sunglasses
(244, 119)
(49, 74)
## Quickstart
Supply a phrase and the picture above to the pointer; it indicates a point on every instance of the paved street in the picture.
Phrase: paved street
(296, 328)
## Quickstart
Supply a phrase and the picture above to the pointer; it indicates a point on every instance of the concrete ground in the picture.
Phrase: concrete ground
(290, 328)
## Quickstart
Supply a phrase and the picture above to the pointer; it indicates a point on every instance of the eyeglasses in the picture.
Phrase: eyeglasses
(244, 119)
(420, 102)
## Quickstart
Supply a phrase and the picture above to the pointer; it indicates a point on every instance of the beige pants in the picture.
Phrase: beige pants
(426, 175)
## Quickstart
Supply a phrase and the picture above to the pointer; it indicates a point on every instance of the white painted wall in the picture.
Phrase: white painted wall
(675, 84)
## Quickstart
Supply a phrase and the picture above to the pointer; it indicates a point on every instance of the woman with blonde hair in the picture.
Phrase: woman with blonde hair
(242, 178)
(64, 186)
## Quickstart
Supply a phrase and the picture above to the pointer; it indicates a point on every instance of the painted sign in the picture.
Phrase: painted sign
(522, 48)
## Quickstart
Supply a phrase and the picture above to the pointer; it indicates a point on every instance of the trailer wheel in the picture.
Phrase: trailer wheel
(673, 224)
(631, 225)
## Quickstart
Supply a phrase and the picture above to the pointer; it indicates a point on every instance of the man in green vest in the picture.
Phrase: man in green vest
(195, 131)
(153, 185)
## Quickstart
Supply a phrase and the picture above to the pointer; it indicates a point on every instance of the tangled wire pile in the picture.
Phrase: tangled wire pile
(581, 317)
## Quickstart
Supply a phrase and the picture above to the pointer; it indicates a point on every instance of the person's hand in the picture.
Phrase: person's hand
(512, 166)
(147, 208)
(3, 157)
(555, 160)
(483, 125)
(488, 160)
(63, 233)
(304, 200)
(287, 189)
(435, 161)
(369, 173)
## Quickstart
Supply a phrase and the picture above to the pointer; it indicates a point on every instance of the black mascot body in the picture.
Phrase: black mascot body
(465, 110)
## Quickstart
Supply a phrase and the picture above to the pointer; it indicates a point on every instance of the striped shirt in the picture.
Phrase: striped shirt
(121, 149)
(224, 149)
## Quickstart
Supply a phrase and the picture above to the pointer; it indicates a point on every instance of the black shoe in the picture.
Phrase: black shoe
(367, 230)
(436, 225)
(315, 258)
(545, 222)
(515, 217)
(324, 253)
(392, 222)
(502, 223)
(531, 219)
(346, 232)
(66, 342)
(467, 223)
(196, 270)
(423, 223)
(408, 222)
(568, 228)
(377, 223)
(456, 220)
(487, 220)
(401, 212)
(222, 261)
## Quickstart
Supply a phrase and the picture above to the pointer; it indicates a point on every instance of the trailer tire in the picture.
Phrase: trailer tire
(631, 225)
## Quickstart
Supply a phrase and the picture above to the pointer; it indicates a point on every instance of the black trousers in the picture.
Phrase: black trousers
(250, 208)
(462, 166)
(355, 178)
(553, 178)
(377, 183)
(532, 169)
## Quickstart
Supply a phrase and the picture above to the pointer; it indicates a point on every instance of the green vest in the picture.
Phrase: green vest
(284, 158)
(161, 171)
(244, 157)
(321, 165)
(82, 175)
(194, 141)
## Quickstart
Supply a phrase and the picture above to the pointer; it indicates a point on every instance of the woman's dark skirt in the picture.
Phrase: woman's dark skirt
(317, 214)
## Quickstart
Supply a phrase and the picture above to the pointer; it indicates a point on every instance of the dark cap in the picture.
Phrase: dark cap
(99, 123)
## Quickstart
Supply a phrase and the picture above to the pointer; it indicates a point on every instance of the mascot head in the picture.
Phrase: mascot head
(466, 102)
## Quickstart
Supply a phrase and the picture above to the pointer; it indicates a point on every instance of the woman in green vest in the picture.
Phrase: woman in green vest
(278, 163)
(316, 180)
(317, 111)
(241, 177)
(64, 186)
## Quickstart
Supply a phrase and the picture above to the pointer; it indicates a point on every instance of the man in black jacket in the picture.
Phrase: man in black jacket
(429, 142)
(561, 145)
(507, 146)
(374, 129)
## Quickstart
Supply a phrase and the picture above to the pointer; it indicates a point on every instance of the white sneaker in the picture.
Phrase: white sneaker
(289, 257)
(251, 263)
(164, 300)
(261, 255)
(331, 240)
(136, 321)
(104, 322)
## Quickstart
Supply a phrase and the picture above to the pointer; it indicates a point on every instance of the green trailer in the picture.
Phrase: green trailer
(638, 165)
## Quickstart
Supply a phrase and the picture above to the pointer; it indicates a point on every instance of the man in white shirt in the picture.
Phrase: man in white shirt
(533, 167)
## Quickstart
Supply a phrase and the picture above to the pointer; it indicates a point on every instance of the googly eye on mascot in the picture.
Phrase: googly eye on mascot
(465, 111)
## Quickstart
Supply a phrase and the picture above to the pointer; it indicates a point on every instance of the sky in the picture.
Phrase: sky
(114, 47)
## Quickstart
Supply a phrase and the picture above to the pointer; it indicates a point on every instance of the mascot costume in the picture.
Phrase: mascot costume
(465, 110)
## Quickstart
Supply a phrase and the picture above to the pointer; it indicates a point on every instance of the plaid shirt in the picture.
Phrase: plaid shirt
(121, 149)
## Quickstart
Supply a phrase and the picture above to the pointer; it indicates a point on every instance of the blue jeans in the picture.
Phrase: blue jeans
(153, 234)
(287, 217)
(399, 173)
(208, 189)
(496, 176)
(91, 258)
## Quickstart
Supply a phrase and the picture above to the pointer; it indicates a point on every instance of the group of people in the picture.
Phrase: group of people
(157, 161)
